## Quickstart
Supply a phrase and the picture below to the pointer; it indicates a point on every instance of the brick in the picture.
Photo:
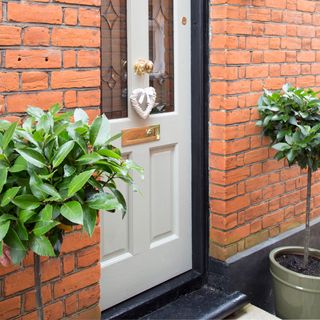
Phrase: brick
(36, 36)
(68, 263)
(10, 308)
(71, 304)
(75, 79)
(24, 12)
(9, 81)
(69, 59)
(89, 17)
(34, 81)
(13, 283)
(89, 296)
(231, 236)
(26, 59)
(77, 281)
(88, 98)
(20, 102)
(10, 35)
(77, 240)
(222, 253)
(54, 311)
(30, 300)
(257, 71)
(84, 2)
(88, 257)
(88, 58)
(256, 238)
(273, 219)
(75, 37)
(71, 16)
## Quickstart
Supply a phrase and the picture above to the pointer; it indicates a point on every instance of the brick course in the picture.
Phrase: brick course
(49, 53)
(255, 44)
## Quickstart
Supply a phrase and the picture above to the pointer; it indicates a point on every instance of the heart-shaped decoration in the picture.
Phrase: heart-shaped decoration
(143, 101)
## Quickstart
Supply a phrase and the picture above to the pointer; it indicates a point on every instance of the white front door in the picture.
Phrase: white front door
(152, 244)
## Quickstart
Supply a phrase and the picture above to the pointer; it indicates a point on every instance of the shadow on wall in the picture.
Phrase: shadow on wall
(248, 271)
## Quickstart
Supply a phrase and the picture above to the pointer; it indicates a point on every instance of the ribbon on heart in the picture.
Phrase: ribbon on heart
(143, 101)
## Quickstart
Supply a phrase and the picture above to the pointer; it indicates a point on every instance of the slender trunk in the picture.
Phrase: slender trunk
(37, 280)
(307, 231)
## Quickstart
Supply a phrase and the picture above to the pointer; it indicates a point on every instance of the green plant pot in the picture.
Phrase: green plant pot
(297, 296)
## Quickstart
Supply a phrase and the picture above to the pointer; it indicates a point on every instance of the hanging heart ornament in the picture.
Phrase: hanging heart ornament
(143, 101)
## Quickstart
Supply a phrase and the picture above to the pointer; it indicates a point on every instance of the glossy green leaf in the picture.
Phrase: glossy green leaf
(35, 112)
(19, 165)
(26, 202)
(33, 156)
(89, 158)
(4, 227)
(17, 249)
(46, 213)
(81, 115)
(73, 212)
(100, 131)
(109, 153)
(79, 181)
(7, 137)
(104, 201)
(25, 215)
(62, 153)
(68, 170)
(42, 246)
(9, 196)
(3, 177)
(55, 109)
(42, 227)
(21, 231)
(6, 216)
(89, 219)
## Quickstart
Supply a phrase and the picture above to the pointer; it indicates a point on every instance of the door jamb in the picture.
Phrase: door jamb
(158, 296)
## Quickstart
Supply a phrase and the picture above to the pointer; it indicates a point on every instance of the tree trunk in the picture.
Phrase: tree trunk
(307, 231)
(37, 280)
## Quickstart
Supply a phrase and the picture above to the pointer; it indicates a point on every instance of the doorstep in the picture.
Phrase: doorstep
(203, 304)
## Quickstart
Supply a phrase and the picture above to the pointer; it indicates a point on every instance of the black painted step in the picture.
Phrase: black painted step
(205, 303)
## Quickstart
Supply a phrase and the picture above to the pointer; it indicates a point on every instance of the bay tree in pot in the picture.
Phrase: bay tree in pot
(291, 118)
(56, 173)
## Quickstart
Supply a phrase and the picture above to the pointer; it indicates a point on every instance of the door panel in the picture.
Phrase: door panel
(153, 243)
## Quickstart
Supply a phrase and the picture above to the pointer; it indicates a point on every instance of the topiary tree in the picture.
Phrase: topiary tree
(55, 174)
(291, 119)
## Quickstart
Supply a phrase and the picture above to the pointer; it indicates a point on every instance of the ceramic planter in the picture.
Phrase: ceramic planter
(297, 296)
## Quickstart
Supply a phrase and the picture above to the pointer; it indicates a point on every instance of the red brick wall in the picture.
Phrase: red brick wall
(255, 44)
(49, 52)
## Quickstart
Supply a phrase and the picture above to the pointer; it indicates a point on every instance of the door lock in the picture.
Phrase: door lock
(142, 67)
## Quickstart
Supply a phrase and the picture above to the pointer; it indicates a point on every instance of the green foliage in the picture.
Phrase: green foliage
(291, 118)
(54, 174)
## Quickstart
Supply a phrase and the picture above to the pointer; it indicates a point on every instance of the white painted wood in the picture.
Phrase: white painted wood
(153, 243)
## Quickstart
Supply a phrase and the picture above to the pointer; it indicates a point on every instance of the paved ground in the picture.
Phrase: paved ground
(251, 312)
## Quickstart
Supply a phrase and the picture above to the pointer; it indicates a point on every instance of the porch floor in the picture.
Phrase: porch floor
(251, 312)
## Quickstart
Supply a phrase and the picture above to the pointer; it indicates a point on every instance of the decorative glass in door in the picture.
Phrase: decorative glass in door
(161, 52)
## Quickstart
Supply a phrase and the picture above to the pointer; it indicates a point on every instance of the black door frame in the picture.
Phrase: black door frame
(158, 296)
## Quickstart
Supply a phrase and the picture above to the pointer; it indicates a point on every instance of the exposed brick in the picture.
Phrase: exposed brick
(36, 36)
(75, 79)
(26, 59)
(24, 12)
(9, 81)
(20, 102)
(10, 35)
(10, 308)
(79, 280)
(75, 37)
(34, 81)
